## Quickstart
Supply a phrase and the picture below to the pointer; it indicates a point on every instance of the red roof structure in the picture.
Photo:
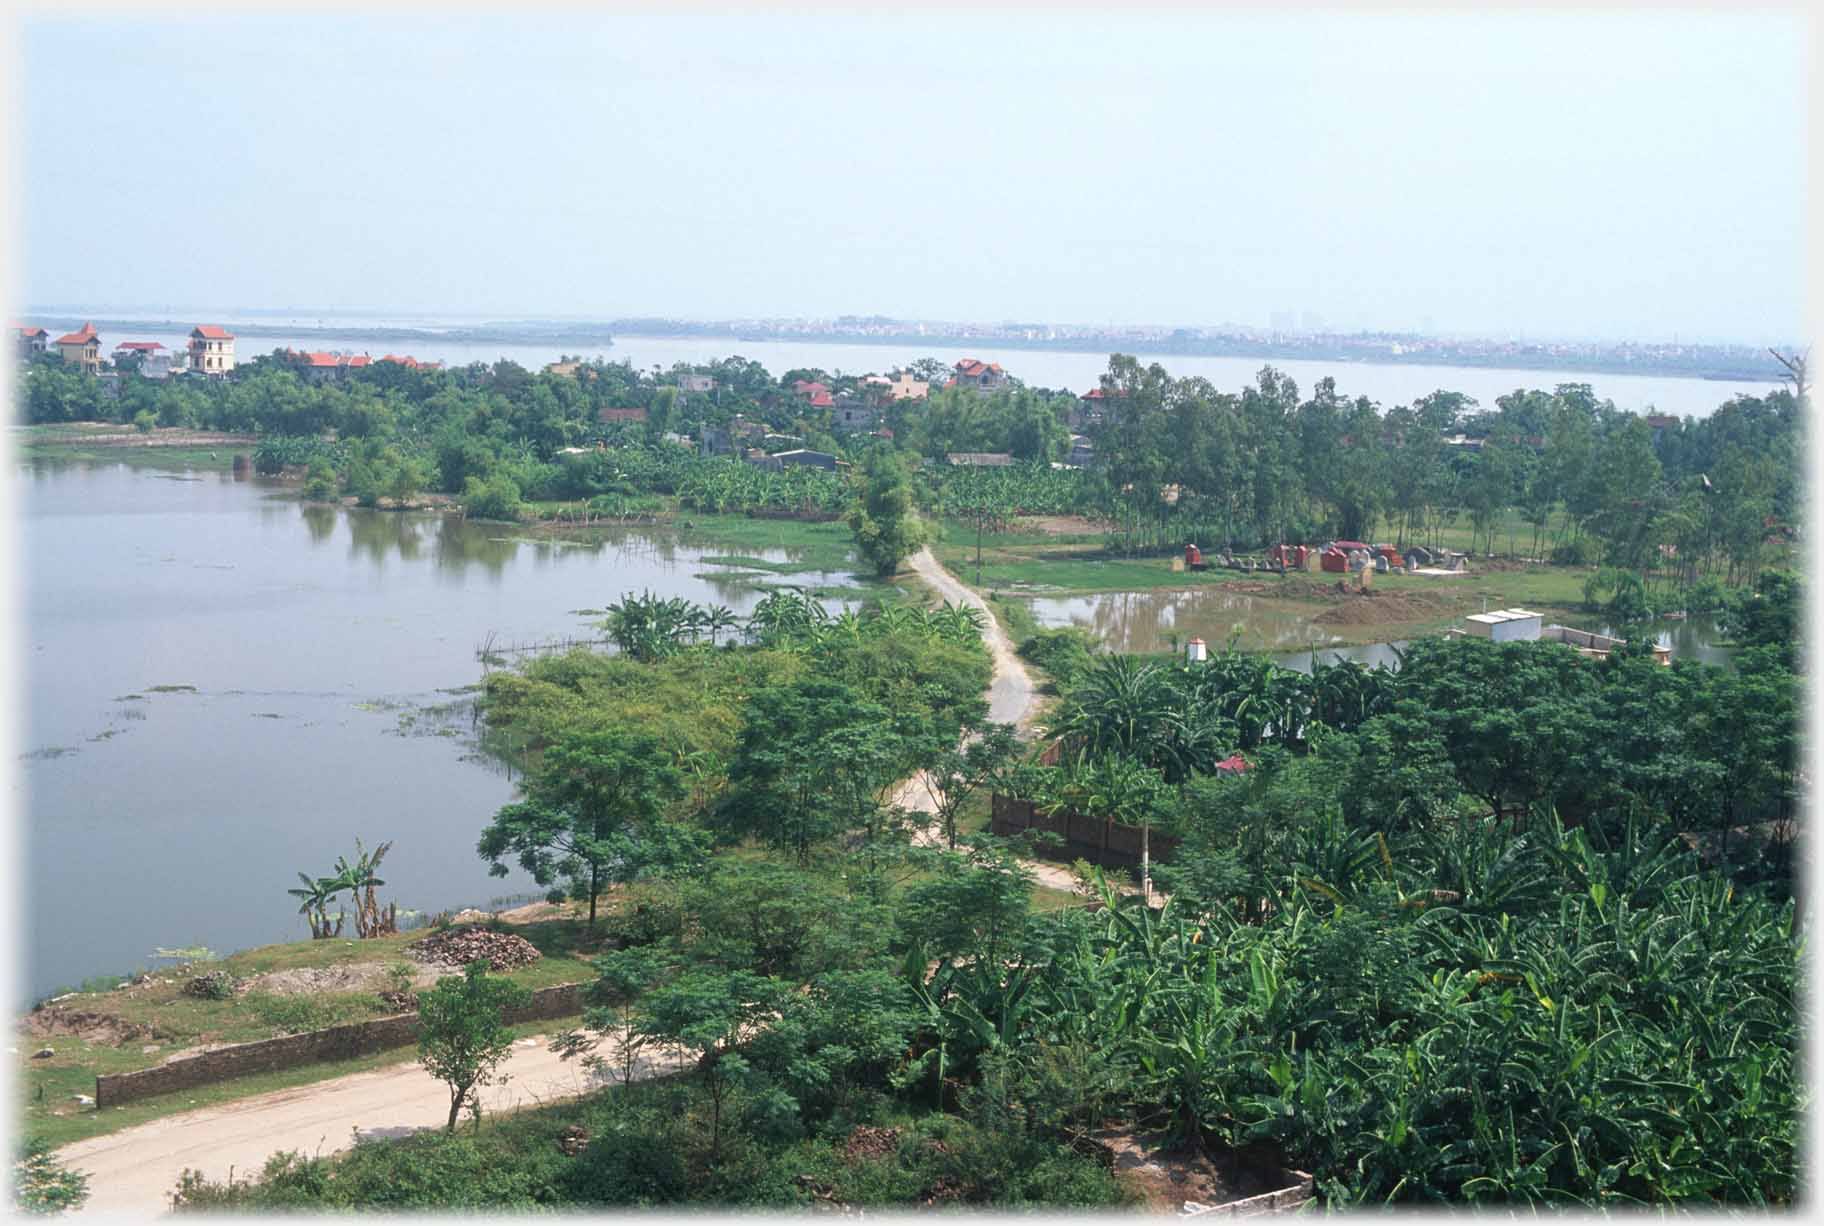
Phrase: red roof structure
(804, 387)
(211, 332)
(30, 332)
(360, 359)
(606, 415)
(321, 359)
(139, 346)
(82, 337)
(821, 400)
(1233, 765)
(973, 368)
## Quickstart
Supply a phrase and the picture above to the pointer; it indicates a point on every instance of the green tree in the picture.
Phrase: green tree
(885, 521)
(593, 811)
(462, 1033)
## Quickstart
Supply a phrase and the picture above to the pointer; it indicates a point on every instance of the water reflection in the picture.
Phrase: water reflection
(1149, 621)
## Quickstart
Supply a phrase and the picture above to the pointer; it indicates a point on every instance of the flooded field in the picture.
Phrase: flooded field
(224, 687)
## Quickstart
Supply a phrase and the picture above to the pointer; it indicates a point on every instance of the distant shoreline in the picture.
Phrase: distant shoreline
(596, 338)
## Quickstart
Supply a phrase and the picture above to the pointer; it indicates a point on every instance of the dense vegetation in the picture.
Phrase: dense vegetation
(1442, 940)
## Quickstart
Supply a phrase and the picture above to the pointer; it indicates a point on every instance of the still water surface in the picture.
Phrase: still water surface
(314, 638)
(1147, 622)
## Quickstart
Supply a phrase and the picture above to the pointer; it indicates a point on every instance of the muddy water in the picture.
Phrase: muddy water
(1166, 620)
(223, 687)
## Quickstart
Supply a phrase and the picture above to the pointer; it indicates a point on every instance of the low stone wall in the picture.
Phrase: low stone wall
(1098, 840)
(312, 1047)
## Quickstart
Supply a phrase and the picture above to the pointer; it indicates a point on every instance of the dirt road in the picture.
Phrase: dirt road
(134, 1170)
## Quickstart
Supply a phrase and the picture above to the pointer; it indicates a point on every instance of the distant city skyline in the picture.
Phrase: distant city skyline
(1604, 176)
(303, 314)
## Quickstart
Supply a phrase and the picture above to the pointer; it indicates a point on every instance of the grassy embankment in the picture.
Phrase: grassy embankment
(266, 1009)
(104, 442)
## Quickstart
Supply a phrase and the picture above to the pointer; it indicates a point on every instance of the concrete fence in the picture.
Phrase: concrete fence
(1099, 840)
(312, 1047)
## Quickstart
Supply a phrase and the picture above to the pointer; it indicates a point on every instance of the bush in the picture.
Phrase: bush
(43, 1185)
(320, 480)
(145, 420)
(495, 498)
(1063, 653)
(1580, 552)
(216, 985)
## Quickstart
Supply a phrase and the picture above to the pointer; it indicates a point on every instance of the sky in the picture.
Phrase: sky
(1635, 174)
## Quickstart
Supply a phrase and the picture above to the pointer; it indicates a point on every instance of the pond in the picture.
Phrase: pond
(1148, 621)
(224, 686)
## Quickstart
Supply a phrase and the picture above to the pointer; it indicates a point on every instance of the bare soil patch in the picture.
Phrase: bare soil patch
(1368, 608)
(1058, 525)
(309, 980)
(458, 947)
(98, 1028)
(1167, 1174)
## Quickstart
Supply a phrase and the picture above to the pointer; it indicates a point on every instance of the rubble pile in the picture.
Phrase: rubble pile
(457, 947)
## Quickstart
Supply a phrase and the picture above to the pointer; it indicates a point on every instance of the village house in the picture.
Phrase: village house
(211, 350)
(730, 440)
(980, 459)
(855, 416)
(904, 387)
(978, 376)
(412, 363)
(611, 416)
(1082, 452)
(1092, 409)
(154, 359)
(81, 349)
(698, 384)
(797, 459)
(318, 366)
(32, 342)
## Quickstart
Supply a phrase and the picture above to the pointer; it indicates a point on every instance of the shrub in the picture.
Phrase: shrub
(216, 985)
(144, 420)
(495, 498)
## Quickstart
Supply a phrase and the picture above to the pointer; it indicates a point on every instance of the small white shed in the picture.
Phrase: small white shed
(1506, 625)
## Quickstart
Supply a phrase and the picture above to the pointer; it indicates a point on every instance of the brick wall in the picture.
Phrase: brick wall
(1095, 839)
(312, 1047)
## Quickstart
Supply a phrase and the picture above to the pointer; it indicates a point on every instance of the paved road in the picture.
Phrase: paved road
(133, 1171)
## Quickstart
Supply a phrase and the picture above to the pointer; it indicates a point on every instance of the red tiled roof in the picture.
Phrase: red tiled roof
(821, 400)
(31, 331)
(83, 337)
(139, 346)
(621, 415)
(211, 332)
(321, 359)
(806, 388)
(360, 360)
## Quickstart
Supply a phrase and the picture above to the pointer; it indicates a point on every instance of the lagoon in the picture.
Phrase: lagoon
(224, 686)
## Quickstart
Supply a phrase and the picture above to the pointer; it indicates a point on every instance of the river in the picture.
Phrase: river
(315, 639)
(1386, 384)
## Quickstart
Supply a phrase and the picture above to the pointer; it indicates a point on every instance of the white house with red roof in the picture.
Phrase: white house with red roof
(152, 359)
(211, 350)
(81, 348)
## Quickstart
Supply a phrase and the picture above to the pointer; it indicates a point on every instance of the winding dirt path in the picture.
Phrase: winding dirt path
(133, 1171)
(1012, 699)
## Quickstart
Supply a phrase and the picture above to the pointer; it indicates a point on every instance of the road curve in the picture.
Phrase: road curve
(134, 1170)
(1012, 698)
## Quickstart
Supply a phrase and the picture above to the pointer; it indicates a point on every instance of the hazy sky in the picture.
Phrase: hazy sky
(1633, 174)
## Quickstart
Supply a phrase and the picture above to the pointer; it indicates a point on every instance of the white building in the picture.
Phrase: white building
(1506, 625)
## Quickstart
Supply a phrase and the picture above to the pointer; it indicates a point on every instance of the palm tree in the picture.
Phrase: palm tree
(316, 896)
(719, 618)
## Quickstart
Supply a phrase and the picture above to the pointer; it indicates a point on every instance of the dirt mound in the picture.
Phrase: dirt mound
(460, 946)
(867, 1143)
(1169, 1174)
(99, 1028)
(1368, 608)
(312, 979)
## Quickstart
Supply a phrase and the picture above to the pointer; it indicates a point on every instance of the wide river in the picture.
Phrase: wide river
(314, 638)
(1386, 384)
